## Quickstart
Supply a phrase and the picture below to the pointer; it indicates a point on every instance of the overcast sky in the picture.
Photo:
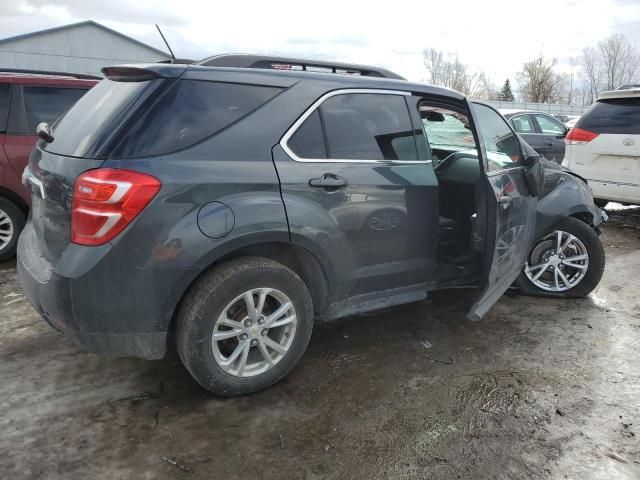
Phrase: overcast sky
(496, 36)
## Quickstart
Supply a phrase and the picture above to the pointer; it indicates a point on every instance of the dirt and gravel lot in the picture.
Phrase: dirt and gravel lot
(539, 389)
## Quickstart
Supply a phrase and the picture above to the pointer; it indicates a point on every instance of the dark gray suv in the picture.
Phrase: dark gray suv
(238, 206)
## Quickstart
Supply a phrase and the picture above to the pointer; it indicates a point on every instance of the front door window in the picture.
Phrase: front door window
(501, 144)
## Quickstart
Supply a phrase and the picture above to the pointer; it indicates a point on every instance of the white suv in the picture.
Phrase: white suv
(604, 147)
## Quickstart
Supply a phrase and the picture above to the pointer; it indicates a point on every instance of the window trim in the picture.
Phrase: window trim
(316, 105)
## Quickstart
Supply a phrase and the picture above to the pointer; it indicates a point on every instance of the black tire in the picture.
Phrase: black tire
(206, 300)
(17, 219)
(592, 243)
(600, 203)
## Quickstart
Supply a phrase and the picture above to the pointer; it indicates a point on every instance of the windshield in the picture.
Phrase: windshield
(448, 130)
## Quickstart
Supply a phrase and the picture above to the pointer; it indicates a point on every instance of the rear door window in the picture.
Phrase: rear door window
(363, 126)
(357, 126)
(187, 112)
(523, 124)
(4, 106)
(31, 105)
(619, 115)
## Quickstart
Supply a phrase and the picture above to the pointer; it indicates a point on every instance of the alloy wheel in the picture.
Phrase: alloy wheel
(254, 332)
(557, 262)
(6, 229)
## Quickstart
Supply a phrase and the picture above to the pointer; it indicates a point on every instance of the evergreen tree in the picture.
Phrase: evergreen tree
(506, 95)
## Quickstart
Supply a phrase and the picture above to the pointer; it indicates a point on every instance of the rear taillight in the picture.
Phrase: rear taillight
(577, 136)
(106, 200)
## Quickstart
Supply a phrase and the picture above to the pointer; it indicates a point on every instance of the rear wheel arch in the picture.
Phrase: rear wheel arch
(298, 259)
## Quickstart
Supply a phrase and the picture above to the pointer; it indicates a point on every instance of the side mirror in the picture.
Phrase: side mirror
(43, 130)
(534, 175)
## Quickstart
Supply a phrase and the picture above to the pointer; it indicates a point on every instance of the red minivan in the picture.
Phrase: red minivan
(27, 97)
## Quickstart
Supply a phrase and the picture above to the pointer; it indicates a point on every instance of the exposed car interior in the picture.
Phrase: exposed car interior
(455, 159)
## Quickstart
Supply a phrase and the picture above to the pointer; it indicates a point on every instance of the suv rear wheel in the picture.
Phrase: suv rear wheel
(244, 325)
(566, 261)
(11, 224)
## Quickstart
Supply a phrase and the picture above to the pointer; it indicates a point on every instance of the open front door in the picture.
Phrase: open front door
(506, 207)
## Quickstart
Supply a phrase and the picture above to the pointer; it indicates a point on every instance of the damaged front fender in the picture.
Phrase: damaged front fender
(565, 195)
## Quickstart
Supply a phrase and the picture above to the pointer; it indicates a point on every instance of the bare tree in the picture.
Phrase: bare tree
(434, 63)
(612, 63)
(591, 72)
(619, 60)
(539, 83)
(570, 79)
(447, 70)
(486, 89)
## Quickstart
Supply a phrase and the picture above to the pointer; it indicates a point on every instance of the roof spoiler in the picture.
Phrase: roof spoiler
(82, 76)
(140, 73)
(286, 63)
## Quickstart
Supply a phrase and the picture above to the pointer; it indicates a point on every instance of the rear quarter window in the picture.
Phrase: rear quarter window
(91, 116)
(620, 115)
(187, 112)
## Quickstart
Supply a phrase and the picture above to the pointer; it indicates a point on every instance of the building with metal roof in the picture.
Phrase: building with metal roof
(83, 47)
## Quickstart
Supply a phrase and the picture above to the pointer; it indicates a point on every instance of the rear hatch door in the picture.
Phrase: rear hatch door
(79, 138)
(50, 179)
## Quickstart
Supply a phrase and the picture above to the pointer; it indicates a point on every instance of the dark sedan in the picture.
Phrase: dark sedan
(542, 131)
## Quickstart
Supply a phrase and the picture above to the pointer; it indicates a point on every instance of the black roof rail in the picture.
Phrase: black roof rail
(181, 61)
(83, 76)
(287, 63)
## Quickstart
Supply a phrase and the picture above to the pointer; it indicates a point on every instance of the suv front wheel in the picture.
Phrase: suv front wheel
(244, 325)
(566, 261)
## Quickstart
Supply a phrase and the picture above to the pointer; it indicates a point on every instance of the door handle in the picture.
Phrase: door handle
(328, 180)
(505, 201)
(549, 144)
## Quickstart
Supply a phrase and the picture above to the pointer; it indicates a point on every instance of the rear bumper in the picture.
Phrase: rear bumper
(99, 299)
